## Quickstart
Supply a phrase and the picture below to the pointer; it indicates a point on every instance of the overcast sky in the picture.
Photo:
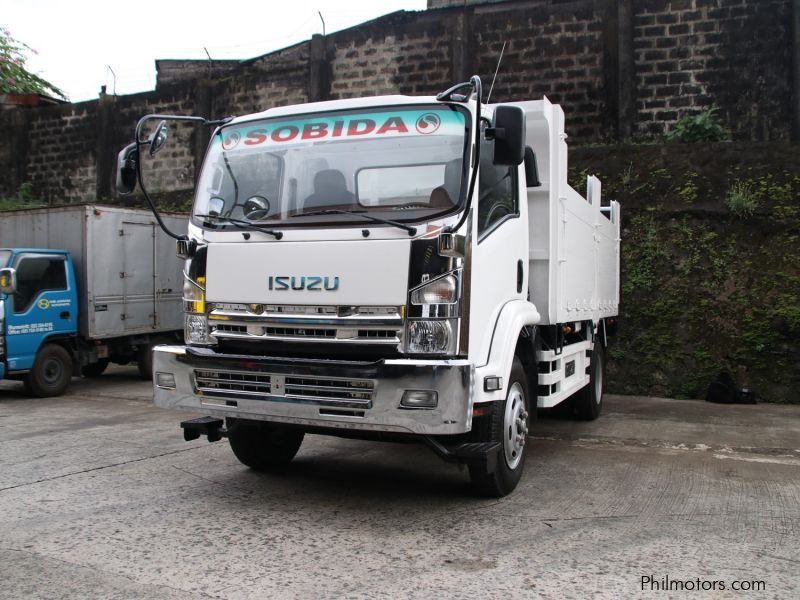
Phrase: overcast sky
(77, 41)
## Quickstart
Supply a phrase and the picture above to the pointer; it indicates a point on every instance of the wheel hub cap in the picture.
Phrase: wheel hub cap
(52, 371)
(515, 426)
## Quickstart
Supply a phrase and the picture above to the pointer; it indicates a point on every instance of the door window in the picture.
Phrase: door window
(497, 192)
(36, 274)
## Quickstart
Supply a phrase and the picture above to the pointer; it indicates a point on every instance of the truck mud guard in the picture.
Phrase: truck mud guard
(466, 453)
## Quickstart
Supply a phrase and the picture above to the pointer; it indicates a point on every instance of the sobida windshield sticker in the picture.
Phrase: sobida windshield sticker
(351, 126)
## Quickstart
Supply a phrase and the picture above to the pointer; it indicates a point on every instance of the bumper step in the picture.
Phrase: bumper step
(212, 427)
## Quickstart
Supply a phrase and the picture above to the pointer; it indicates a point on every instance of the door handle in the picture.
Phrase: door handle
(64, 315)
(520, 276)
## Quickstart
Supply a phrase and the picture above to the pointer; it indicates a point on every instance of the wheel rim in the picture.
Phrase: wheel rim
(598, 380)
(52, 370)
(515, 426)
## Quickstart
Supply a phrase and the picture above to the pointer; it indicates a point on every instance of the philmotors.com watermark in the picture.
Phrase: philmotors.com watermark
(651, 583)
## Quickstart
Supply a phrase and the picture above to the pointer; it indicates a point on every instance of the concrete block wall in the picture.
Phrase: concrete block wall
(694, 54)
(621, 69)
(555, 51)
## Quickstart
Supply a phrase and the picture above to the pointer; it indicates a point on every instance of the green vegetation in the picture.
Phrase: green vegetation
(701, 127)
(742, 199)
(23, 199)
(14, 76)
(688, 188)
(702, 288)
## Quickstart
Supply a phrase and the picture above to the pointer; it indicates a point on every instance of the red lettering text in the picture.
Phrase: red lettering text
(360, 127)
(257, 136)
(314, 130)
(393, 124)
(285, 133)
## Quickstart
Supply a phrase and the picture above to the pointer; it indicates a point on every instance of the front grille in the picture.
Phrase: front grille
(222, 383)
(225, 328)
(309, 324)
(301, 332)
(380, 334)
(357, 390)
(257, 385)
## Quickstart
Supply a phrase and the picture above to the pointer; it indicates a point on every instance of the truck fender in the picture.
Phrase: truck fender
(514, 316)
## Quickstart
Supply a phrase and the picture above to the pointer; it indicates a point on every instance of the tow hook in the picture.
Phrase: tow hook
(211, 427)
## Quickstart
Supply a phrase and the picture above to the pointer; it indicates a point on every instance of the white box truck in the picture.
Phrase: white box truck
(389, 267)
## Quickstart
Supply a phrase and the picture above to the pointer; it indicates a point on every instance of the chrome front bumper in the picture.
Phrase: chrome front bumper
(316, 393)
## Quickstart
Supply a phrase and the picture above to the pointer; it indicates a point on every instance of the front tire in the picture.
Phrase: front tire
(263, 446)
(508, 424)
(51, 372)
(588, 402)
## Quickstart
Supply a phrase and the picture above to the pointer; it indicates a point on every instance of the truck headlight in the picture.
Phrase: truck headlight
(439, 291)
(195, 330)
(429, 336)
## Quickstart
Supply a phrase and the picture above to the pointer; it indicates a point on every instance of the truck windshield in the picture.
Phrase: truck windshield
(401, 163)
(4, 256)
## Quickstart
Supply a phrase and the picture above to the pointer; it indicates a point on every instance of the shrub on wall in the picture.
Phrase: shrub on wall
(701, 127)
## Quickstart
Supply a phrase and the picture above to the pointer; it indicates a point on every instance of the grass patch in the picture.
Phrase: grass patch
(742, 199)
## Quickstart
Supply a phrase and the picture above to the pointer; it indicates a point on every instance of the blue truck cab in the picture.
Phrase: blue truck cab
(38, 318)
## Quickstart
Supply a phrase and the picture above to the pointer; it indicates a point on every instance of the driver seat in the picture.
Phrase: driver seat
(330, 189)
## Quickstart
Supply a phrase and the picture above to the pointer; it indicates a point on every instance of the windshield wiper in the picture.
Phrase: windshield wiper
(240, 224)
(334, 211)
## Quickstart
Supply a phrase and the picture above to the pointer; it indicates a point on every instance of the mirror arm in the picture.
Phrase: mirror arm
(146, 118)
(475, 81)
(150, 202)
(139, 143)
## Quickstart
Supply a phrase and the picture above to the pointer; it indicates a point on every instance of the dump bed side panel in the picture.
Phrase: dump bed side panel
(574, 241)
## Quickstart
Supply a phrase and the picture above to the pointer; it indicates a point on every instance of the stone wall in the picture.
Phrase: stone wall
(170, 72)
(706, 286)
(735, 54)
(622, 69)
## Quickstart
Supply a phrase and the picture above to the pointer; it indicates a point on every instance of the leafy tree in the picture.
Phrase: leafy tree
(14, 77)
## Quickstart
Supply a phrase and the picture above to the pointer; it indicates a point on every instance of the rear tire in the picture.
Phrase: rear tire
(144, 361)
(507, 423)
(588, 402)
(263, 446)
(51, 372)
(95, 369)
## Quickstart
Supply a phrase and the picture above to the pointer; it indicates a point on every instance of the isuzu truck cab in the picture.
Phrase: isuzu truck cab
(389, 268)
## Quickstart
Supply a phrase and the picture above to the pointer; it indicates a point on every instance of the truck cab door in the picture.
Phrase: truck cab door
(44, 305)
(500, 256)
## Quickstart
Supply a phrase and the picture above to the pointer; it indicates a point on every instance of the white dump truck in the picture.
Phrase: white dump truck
(389, 267)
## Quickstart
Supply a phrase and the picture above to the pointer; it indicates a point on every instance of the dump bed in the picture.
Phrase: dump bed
(129, 280)
(574, 241)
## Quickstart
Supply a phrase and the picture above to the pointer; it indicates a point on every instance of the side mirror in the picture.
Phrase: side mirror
(159, 138)
(215, 206)
(8, 280)
(508, 131)
(256, 207)
(531, 170)
(126, 169)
